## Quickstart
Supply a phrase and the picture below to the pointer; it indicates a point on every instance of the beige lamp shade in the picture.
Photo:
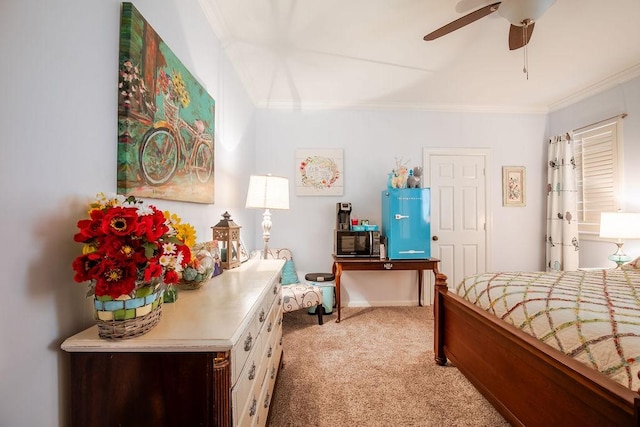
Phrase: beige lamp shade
(620, 225)
(268, 192)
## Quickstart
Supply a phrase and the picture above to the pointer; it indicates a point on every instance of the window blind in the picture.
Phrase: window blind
(599, 164)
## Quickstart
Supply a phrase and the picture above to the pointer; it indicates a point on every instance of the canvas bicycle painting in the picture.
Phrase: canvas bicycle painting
(166, 120)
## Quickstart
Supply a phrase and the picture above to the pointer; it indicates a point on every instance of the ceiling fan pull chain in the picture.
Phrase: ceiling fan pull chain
(526, 56)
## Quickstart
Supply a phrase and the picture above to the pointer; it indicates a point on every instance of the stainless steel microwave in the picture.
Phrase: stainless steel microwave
(349, 243)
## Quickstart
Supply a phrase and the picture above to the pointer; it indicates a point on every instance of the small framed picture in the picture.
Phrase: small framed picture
(513, 186)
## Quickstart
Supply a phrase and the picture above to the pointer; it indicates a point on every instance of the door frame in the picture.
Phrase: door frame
(428, 153)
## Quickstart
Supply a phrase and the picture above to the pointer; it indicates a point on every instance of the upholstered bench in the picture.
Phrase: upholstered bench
(295, 294)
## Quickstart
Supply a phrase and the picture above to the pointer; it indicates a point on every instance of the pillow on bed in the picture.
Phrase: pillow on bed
(632, 265)
(289, 275)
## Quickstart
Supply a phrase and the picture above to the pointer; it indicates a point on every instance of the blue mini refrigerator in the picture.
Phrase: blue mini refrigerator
(406, 222)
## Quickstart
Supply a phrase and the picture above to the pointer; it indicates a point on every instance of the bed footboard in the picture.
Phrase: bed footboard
(528, 382)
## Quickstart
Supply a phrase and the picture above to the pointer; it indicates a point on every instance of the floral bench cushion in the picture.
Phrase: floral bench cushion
(300, 295)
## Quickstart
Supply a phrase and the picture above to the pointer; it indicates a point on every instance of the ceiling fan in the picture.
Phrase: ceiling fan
(522, 15)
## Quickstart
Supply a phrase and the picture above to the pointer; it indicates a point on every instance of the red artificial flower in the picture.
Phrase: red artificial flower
(90, 228)
(152, 227)
(171, 277)
(152, 270)
(116, 278)
(87, 267)
(120, 221)
(186, 254)
(123, 248)
(114, 290)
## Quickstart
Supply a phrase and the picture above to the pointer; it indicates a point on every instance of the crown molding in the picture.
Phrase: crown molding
(594, 89)
(488, 109)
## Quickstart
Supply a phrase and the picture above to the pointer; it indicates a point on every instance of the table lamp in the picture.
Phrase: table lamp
(267, 192)
(620, 225)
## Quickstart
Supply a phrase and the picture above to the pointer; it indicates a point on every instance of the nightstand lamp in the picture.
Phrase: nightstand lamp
(620, 225)
(267, 192)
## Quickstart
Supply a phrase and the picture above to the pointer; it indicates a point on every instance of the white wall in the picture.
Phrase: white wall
(623, 98)
(58, 149)
(371, 141)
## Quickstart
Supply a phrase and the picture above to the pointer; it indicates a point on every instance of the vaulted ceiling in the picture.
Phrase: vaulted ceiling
(371, 53)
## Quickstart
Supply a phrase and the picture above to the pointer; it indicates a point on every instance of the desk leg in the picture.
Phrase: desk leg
(337, 272)
(420, 283)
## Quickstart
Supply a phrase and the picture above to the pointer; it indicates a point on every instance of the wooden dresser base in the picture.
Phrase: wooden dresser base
(107, 385)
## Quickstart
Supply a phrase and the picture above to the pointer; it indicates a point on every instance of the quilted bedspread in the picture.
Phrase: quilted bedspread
(592, 316)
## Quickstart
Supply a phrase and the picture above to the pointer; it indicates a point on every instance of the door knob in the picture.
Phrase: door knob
(434, 238)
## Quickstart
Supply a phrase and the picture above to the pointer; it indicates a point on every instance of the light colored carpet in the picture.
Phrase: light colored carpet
(374, 368)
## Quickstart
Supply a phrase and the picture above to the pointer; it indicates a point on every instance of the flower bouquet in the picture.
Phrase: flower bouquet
(131, 252)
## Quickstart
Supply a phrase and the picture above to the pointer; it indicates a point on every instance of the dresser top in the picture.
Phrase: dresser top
(207, 319)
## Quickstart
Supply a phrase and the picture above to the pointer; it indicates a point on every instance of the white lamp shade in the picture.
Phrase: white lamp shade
(268, 192)
(620, 225)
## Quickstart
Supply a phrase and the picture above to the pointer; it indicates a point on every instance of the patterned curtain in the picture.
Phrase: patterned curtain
(562, 206)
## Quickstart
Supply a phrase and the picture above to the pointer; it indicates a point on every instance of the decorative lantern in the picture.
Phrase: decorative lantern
(227, 234)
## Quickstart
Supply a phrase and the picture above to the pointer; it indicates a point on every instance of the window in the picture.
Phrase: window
(598, 156)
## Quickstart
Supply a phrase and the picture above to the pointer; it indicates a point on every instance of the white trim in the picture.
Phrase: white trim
(607, 83)
(386, 303)
(398, 106)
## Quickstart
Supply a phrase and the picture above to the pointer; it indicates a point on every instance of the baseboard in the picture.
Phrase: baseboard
(360, 304)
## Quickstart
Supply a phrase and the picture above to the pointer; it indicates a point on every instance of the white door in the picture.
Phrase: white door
(459, 210)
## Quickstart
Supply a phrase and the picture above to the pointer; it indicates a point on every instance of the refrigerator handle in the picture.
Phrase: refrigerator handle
(398, 216)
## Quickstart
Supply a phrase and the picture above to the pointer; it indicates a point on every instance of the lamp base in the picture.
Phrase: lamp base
(619, 257)
(266, 232)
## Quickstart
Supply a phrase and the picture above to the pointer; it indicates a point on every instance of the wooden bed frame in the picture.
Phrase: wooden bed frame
(527, 381)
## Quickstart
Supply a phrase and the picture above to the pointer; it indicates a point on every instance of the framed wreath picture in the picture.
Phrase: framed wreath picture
(319, 172)
(513, 186)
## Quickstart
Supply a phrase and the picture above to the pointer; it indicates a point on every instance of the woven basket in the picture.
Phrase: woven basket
(190, 285)
(202, 252)
(130, 318)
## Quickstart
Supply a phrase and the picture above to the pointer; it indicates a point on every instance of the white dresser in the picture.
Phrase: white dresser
(212, 360)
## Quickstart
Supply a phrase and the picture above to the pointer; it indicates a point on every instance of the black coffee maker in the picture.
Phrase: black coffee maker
(343, 216)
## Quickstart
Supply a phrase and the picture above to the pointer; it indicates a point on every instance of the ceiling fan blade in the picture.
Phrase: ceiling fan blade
(461, 22)
(520, 36)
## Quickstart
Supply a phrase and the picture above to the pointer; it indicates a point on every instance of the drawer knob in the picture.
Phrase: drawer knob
(252, 372)
(247, 342)
(254, 407)
(267, 398)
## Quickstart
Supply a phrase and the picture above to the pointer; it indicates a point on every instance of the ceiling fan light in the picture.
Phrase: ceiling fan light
(517, 11)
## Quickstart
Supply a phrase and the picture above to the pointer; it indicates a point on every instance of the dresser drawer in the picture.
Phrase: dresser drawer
(266, 392)
(249, 413)
(249, 382)
(274, 327)
(243, 348)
